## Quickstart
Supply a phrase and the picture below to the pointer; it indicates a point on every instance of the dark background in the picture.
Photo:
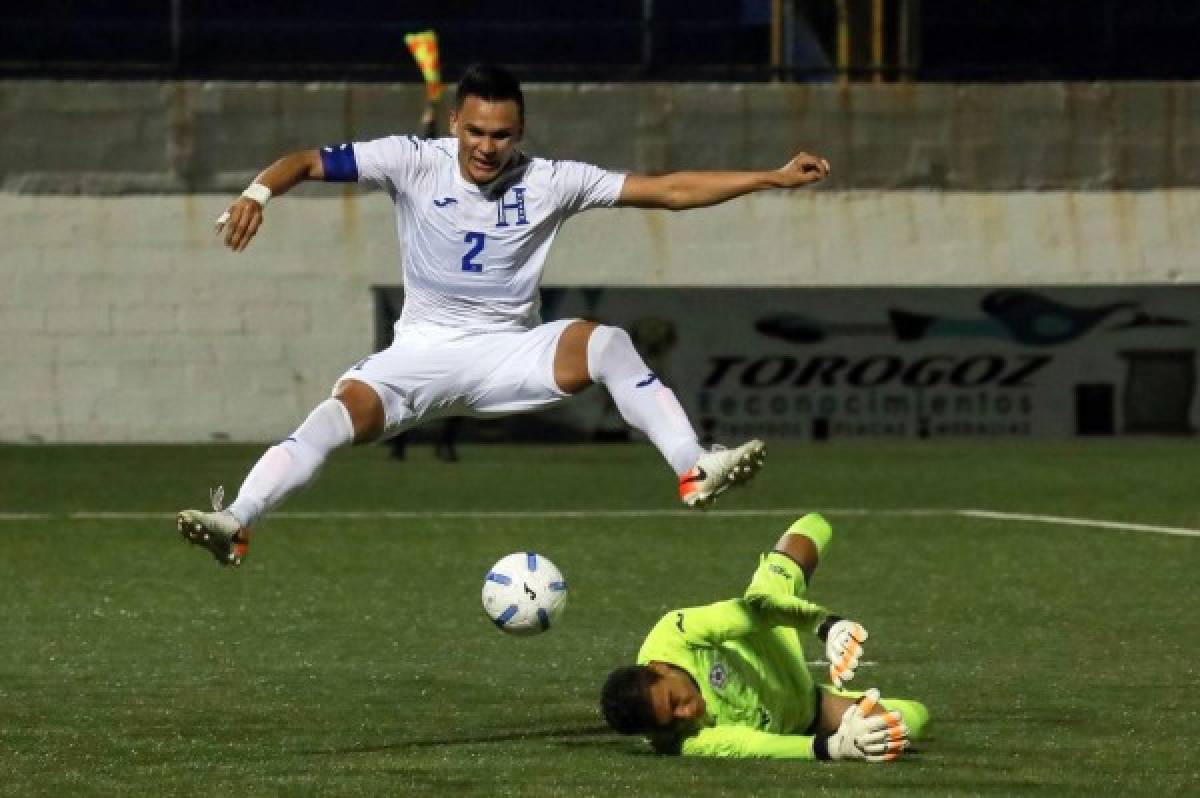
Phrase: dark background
(948, 40)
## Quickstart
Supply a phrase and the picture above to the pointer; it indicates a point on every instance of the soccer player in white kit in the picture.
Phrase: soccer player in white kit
(478, 217)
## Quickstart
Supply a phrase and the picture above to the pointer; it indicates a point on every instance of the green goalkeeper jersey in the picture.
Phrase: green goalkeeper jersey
(759, 696)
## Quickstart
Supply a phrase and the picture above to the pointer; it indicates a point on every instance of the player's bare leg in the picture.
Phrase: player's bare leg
(355, 414)
(365, 409)
(588, 352)
(570, 357)
(802, 550)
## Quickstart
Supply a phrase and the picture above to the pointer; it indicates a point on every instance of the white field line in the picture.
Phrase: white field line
(821, 663)
(1089, 522)
(912, 512)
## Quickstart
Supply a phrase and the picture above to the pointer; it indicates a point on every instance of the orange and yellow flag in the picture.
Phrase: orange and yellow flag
(424, 49)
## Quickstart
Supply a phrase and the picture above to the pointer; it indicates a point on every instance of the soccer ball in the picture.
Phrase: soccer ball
(524, 594)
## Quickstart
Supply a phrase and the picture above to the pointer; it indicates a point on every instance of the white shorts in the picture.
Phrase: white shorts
(430, 372)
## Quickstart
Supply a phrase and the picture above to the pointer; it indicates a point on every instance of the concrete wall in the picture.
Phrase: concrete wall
(123, 319)
(73, 137)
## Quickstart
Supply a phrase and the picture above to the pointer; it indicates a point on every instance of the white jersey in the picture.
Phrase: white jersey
(473, 257)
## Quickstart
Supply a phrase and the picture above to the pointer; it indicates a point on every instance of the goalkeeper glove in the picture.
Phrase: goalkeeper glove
(875, 738)
(843, 647)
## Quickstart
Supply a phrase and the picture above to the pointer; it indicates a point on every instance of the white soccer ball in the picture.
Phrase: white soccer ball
(524, 594)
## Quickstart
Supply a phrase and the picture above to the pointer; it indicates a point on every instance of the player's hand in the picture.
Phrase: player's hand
(240, 223)
(843, 647)
(868, 733)
(804, 169)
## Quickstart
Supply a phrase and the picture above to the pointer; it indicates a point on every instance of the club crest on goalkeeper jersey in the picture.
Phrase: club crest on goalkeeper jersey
(473, 256)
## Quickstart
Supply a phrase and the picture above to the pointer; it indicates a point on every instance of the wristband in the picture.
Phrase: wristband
(827, 624)
(259, 193)
(821, 747)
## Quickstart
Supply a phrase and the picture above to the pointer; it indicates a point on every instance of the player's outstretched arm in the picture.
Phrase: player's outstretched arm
(776, 596)
(243, 218)
(866, 731)
(777, 593)
(680, 191)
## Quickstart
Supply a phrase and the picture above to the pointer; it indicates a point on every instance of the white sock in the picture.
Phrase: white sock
(645, 403)
(292, 463)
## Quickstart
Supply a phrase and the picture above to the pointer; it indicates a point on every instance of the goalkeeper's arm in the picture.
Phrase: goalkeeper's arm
(777, 592)
(777, 595)
(878, 737)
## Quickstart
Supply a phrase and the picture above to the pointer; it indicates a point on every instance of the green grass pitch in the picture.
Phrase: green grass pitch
(350, 656)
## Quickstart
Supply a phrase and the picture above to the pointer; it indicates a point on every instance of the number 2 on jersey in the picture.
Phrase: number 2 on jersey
(476, 240)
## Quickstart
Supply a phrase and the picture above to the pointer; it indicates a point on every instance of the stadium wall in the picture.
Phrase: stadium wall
(122, 319)
(131, 137)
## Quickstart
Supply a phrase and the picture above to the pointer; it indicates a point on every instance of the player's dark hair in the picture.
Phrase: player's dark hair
(625, 699)
(490, 82)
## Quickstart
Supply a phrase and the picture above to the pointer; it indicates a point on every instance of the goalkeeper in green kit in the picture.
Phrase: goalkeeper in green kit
(729, 679)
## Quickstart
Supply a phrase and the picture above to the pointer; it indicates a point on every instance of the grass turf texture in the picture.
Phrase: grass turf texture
(350, 656)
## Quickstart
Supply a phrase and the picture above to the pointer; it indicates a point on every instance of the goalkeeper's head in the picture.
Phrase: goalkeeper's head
(659, 700)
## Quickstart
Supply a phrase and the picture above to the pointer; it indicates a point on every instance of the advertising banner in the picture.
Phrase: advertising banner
(942, 362)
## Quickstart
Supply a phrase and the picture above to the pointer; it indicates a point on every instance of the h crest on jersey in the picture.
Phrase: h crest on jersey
(517, 205)
(717, 676)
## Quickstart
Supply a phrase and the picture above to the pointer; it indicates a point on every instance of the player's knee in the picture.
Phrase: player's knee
(365, 409)
(613, 339)
(815, 528)
(607, 346)
(573, 357)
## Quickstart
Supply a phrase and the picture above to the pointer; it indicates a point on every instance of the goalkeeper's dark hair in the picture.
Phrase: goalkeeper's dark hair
(490, 82)
(625, 699)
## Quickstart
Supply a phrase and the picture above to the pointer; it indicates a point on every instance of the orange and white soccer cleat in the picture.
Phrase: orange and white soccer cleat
(720, 469)
(218, 532)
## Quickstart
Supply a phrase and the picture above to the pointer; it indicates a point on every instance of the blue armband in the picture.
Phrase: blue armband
(339, 164)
